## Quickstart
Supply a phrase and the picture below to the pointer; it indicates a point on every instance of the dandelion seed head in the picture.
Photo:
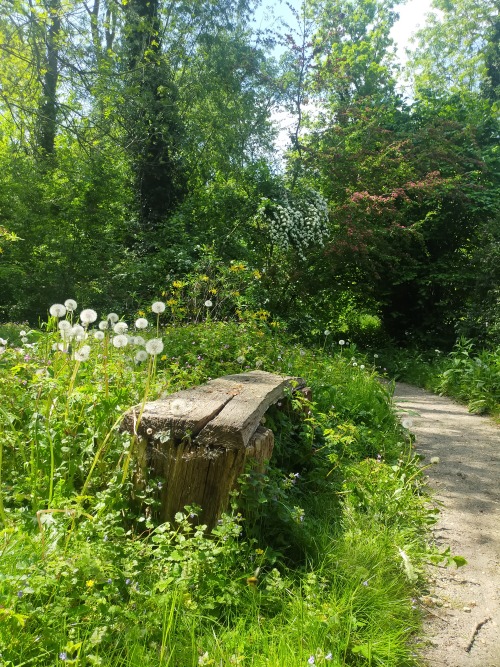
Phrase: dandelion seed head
(140, 355)
(158, 307)
(99, 335)
(88, 316)
(141, 323)
(83, 353)
(113, 318)
(71, 305)
(327, 332)
(407, 422)
(208, 303)
(154, 346)
(120, 327)
(120, 340)
(57, 310)
(64, 325)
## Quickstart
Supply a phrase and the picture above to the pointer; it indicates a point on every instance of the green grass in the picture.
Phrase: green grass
(318, 562)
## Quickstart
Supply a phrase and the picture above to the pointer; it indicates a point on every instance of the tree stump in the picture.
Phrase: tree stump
(199, 440)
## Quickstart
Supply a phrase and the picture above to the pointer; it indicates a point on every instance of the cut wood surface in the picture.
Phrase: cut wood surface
(224, 412)
(199, 439)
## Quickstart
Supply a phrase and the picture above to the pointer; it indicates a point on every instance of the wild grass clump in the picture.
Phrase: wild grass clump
(319, 560)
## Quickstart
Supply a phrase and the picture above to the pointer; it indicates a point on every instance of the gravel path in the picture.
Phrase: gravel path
(462, 620)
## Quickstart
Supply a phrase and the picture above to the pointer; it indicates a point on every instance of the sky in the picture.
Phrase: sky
(411, 17)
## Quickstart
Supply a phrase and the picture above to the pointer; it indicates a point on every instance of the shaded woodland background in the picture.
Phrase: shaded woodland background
(137, 149)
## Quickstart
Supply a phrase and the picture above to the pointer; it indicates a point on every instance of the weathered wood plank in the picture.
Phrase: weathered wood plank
(254, 393)
(183, 413)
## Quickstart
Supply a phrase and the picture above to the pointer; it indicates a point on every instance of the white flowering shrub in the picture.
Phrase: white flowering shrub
(299, 221)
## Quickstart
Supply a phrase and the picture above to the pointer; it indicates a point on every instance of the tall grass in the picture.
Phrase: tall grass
(306, 568)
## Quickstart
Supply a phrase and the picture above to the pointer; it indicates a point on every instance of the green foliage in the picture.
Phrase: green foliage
(90, 578)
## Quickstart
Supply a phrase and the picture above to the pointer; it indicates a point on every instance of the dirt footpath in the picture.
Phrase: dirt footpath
(462, 610)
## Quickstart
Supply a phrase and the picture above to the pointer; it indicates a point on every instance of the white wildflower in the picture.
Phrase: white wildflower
(71, 305)
(88, 316)
(327, 332)
(341, 342)
(57, 310)
(24, 339)
(22, 333)
(120, 341)
(158, 307)
(141, 323)
(208, 303)
(154, 346)
(362, 367)
(120, 327)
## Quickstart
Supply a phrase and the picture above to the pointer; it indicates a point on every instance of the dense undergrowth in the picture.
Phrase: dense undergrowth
(468, 373)
(319, 561)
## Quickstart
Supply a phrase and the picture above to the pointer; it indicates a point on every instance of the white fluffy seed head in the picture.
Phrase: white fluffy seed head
(99, 335)
(154, 346)
(71, 305)
(158, 307)
(141, 323)
(120, 341)
(120, 327)
(113, 317)
(141, 355)
(64, 325)
(88, 316)
(103, 325)
(57, 310)
(208, 303)
(83, 353)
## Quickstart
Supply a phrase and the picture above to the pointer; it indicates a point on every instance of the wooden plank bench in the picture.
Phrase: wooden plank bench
(198, 440)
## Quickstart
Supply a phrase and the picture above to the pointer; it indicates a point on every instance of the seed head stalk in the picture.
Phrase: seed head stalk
(151, 374)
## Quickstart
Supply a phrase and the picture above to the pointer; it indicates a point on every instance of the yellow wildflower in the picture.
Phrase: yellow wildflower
(204, 278)
(238, 267)
(90, 583)
(257, 275)
(164, 357)
(171, 302)
(213, 291)
(177, 284)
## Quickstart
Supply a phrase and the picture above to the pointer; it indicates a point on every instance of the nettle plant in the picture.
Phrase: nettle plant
(298, 221)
